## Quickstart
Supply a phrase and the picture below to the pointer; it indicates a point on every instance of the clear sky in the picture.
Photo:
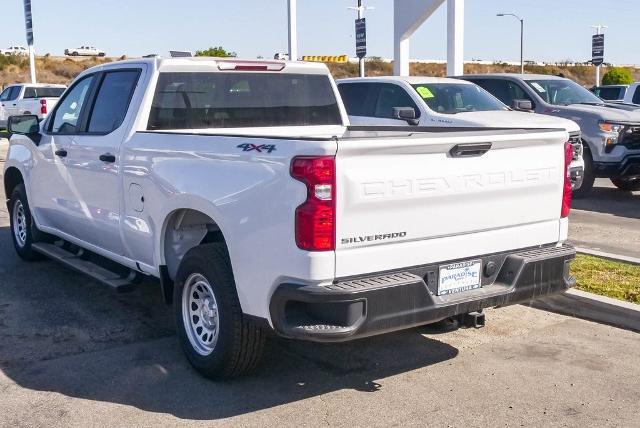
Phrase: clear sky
(554, 29)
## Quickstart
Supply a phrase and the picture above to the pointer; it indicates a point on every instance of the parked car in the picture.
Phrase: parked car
(33, 98)
(241, 187)
(84, 51)
(612, 93)
(628, 94)
(435, 101)
(610, 131)
(15, 50)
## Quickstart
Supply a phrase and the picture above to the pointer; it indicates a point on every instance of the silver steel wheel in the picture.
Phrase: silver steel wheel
(200, 314)
(19, 223)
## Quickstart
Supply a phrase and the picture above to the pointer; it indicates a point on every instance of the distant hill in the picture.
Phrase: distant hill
(64, 70)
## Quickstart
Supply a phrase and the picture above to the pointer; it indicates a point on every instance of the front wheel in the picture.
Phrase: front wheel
(589, 177)
(628, 184)
(217, 338)
(23, 230)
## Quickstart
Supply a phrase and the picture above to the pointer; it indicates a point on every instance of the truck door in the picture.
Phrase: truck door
(10, 104)
(93, 159)
(51, 193)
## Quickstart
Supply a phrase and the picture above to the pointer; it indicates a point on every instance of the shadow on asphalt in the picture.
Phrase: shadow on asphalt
(63, 333)
(610, 200)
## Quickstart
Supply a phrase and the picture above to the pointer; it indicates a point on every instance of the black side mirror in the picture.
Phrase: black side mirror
(522, 105)
(28, 125)
(406, 113)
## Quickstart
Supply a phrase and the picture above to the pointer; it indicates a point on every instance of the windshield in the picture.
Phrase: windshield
(452, 98)
(562, 92)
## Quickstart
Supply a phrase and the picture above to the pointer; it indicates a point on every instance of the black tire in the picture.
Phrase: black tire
(31, 233)
(239, 344)
(74, 54)
(589, 176)
(627, 184)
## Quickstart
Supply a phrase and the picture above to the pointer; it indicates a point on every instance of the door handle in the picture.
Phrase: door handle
(108, 157)
(61, 153)
(469, 150)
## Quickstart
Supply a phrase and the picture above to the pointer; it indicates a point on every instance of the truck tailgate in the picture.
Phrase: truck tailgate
(406, 200)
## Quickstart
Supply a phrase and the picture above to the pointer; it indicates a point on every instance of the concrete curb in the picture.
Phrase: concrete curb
(609, 256)
(592, 307)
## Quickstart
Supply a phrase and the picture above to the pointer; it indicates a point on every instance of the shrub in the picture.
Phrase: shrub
(617, 76)
(218, 51)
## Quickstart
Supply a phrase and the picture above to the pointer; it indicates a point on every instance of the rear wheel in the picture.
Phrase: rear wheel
(589, 176)
(628, 184)
(218, 340)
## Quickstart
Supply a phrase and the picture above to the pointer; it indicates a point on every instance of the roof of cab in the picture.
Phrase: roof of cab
(211, 64)
(412, 80)
(516, 76)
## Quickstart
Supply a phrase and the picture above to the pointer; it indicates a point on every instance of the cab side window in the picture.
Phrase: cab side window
(636, 96)
(10, 94)
(504, 90)
(392, 96)
(112, 102)
(4, 96)
(67, 116)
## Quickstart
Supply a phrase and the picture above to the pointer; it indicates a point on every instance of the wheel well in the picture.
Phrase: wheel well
(12, 177)
(185, 229)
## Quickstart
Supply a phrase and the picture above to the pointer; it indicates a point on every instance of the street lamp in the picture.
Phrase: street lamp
(521, 37)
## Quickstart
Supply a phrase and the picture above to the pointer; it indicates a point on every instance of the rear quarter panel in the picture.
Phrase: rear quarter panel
(250, 195)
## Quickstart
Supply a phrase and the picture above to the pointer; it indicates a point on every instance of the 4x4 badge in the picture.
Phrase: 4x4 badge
(262, 147)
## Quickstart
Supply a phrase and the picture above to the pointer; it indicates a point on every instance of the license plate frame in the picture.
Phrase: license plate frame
(456, 278)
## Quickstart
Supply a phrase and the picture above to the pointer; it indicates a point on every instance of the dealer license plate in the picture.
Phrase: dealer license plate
(459, 277)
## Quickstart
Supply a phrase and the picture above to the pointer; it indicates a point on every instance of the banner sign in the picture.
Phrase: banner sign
(597, 49)
(361, 38)
(28, 20)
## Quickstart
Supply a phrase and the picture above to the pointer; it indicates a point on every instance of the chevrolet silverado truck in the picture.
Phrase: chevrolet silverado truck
(241, 186)
(438, 101)
(610, 131)
(28, 98)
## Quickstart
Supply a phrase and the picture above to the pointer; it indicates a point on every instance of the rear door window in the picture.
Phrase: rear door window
(112, 101)
(201, 100)
(359, 98)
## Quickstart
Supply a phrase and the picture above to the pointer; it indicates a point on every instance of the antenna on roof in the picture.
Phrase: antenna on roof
(180, 54)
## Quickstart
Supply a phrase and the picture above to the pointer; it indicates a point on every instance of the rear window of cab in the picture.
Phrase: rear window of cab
(200, 100)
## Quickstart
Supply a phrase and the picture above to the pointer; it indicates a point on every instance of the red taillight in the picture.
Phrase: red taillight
(43, 106)
(315, 218)
(566, 192)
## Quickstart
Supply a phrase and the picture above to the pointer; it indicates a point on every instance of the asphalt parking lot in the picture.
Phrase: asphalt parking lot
(609, 220)
(74, 354)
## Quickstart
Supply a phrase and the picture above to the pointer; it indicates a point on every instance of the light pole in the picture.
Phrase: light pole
(292, 12)
(598, 29)
(361, 8)
(521, 38)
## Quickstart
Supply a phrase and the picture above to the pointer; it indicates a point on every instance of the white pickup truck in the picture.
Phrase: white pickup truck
(441, 101)
(241, 186)
(84, 51)
(31, 98)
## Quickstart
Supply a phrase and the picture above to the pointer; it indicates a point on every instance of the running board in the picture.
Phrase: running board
(111, 279)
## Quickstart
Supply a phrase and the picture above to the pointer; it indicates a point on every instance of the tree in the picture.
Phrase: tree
(218, 51)
(617, 76)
